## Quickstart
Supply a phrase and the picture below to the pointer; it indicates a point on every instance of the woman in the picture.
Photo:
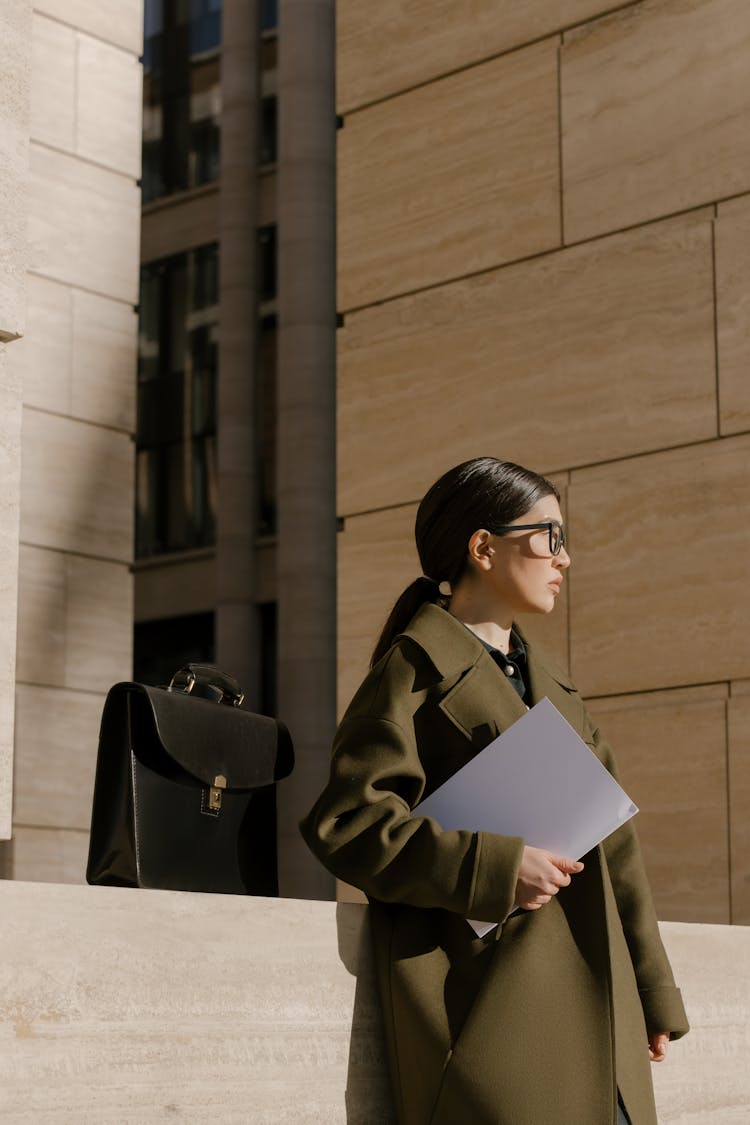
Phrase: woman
(551, 1018)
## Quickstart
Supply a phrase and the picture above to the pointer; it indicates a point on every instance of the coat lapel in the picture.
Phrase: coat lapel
(479, 702)
(547, 680)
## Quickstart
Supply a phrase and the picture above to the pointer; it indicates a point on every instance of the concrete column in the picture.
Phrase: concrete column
(237, 630)
(306, 483)
(15, 83)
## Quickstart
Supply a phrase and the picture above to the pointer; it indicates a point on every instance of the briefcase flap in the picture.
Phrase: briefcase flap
(208, 739)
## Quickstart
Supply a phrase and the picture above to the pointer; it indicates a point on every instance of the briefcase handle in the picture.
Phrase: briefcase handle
(209, 682)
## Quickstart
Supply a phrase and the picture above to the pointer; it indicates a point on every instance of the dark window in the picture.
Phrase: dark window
(181, 95)
(267, 263)
(269, 15)
(177, 369)
(268, 651)
(160, 648)
(267, 153)
(266, 426)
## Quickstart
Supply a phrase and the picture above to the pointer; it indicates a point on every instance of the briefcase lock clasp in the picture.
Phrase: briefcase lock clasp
(214, 793)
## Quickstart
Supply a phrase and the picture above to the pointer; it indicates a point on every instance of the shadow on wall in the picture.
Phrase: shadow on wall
(368, 1095)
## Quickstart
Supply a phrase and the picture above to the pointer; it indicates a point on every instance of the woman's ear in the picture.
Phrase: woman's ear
(481, 549)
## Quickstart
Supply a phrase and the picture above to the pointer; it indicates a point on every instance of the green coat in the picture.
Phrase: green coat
(540, 1021)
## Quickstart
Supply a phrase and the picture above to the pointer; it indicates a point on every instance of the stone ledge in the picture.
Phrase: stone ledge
(146, 1006)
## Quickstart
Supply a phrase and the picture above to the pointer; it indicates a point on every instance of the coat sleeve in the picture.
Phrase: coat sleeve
(362, 830)
(660, 998)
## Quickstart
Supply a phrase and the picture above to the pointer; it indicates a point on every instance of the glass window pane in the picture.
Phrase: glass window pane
(178, 358)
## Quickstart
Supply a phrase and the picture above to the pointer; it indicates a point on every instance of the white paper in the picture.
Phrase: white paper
(538, 780)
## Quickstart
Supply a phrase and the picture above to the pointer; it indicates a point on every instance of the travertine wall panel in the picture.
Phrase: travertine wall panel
(103, 381)
(671, 750)
(120, 1026)
(78, 356)
(121, 23)
(659, 595)
(108, 106)
(53, 85)
(739, 799)
(591, 353)
(10, 457)
(450, 179)
(83, 224)
(76, 487)
(77, 618)
(42, 358)
(49, 855)
(56, 727)
(654, 112)
(733, 313)
(169, 229)
(158, 594)
(15, 36)
(390, 46)
(377, 559)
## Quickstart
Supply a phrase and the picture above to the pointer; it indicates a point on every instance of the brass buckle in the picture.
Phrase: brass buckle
(214, 793)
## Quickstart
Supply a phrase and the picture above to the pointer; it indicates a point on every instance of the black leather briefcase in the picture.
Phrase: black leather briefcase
(184, 797)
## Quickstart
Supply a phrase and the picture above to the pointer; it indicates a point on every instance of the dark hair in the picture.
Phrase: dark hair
(477, 493)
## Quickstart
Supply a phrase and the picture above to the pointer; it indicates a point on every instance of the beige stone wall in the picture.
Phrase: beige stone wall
(544, 238)
(15, 20)
(76, 370)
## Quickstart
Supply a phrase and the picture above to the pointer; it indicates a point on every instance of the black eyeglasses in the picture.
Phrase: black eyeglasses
(554, 529)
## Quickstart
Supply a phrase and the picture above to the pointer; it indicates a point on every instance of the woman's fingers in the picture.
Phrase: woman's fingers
(541, 875)
(658, 1044)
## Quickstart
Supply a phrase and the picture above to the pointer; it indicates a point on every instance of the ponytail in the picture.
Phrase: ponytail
(420, 591)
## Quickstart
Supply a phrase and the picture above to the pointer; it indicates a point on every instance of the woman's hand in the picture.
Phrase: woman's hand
(541, 875)
(658, 1042)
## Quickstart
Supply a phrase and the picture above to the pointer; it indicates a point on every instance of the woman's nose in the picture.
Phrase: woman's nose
(562, 560)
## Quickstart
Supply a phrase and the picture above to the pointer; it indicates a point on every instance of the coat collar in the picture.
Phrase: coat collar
(454, 650)
(451, 647)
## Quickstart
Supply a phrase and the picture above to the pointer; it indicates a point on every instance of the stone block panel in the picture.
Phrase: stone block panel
(10, 459)
(119, 1025)
(671, 752)
(655, 101)
(76, 487)
(53, 83)
(711, 966)
(450, 179)
(733, 313)
(659, 577)
(49, 855)
(739, 800)
(169, 227)
(108, 106)
(84, 225)
(78, 355)
(377, 559)
(57, 734)
(75, 621)
(120, 23)
(591, 353)
(15, 84)
(391, 46)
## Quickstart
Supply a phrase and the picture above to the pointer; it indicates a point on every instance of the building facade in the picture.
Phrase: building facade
(166, 436)
(544, 221)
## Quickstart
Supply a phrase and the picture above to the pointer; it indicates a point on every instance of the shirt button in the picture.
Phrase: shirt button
(509, 670)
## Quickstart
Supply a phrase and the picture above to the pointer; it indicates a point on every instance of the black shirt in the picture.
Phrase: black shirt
(513, 665)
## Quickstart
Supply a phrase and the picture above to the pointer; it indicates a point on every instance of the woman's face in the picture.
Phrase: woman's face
(517, 568)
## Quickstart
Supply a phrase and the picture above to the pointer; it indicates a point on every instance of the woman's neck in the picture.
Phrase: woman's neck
(491, 623)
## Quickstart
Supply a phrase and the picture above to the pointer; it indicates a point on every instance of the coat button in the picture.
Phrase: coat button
(509, 670)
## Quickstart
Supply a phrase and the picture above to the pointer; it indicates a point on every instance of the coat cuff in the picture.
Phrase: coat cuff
(664, 1011)
(493, 888)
